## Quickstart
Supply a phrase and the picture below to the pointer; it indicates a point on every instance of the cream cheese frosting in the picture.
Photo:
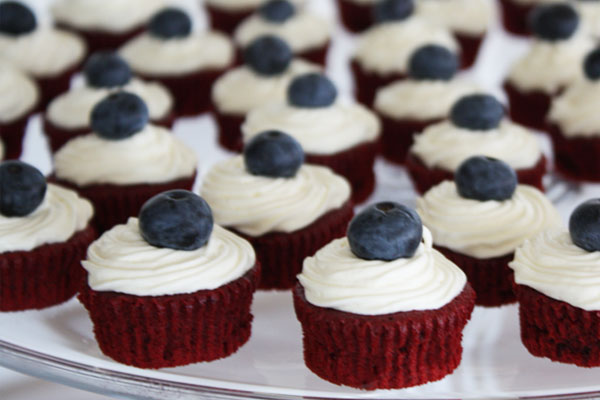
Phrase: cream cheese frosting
(255, 205)
(471, 17)
(446, 146)
(485, 229)
(241, 5)
(122, 261)
(589, 11)
(61, 214)
(21, 93)
(335, 278)
(152, 155)
(576, 110)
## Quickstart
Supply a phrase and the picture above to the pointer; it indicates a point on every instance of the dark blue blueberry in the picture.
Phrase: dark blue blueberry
(274, 154)
(392, 10)
(584, 225)
(554, 22)
(591, 66)
(433, 62)
(22, 188)
(16, 18)
(119, 116)
(385, 231)
(106, 69)
(277, 11)
(177, 219)
(485, 178)
(478, 112)
(311, 90)
(268, 55)
(170, 23)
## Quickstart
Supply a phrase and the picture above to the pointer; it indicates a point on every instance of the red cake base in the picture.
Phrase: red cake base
(101, 40)
(355, 17)
(12, 135)
(528, 109)
(229, 130)
(469, 48)
(514, 17)
(226, 20)
(397, 136)
(367, 83)
(388, 351)
(52, 86)
(576, 158)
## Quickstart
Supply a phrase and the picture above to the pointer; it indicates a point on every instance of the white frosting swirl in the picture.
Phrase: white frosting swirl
(325, 130)
(241, 5)
(576, 110)
(122, 261)
(446, 146)
(153, 155)
(61, 214)
(153, 56)
(589, 11)
(21, 93)
(472, 17)
(255, 205)
(551, 264)
(335, 278)
(485, 229)
(72, 109)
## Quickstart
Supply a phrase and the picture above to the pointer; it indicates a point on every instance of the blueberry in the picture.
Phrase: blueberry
(106, 69)
(554, 21)
(268, 55)
(392, 10)
(478, 112)
(591, 65)
(274, 154)
(22, 188)
(16, 18)
(170, 23)
(311, 90)
(584, 225)
(485, 178)
(433, 62)
(277, 11)
(119, 116)
(177, 219)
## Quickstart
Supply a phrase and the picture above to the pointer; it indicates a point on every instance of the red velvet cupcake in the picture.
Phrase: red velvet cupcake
(356, 15)
(515, 15)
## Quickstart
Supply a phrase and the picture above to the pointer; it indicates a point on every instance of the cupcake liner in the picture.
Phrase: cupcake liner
(425, 178)
(397, 136)
(528, 108)
(469, 48)
(97, 40)
(576, 158)
(167, 331)
(367, 83)
(557, 330)
(45, 276)
(388, 351)
(226, 21)
(491, 278)
(355, 17)
(12, 135)
(52, 86)
(281, 254)
(515, 17)
(230, 130)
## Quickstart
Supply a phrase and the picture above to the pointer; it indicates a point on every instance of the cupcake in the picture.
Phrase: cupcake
(383, 52)
(170, 288)
(68, 115)
(477, 126)
(409, 106)
(307, 34)
(552, 63)
(380, 308)
(124, 162)
(343, 136)
(356, 15)
(286, 209)
(515, 14)
(557, 275)
(265, 77)
(49, 55)
(105, 25)
(479, 220)
(186, 62)
(45, 231)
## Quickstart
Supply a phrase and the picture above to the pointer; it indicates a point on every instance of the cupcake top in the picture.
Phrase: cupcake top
(24, 93)
(241, 5)
(589, 11)
(472, 17)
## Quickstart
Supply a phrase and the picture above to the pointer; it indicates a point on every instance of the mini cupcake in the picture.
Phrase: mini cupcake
(409, 106)
(49, 55)
(170, 288)
(286, 210)
(124, 162)
(383, 52)
(307, 34)
(186, 62)
(557, 275)
(356, 15)
(341, 136)
(477, 126)
(105, 25)
(552, 63)
(380, 308)
(45, 233)
(515, 14)
(265, 77)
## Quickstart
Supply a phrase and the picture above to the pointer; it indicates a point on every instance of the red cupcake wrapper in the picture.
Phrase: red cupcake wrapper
(45, 276)
(229, 130)
(576, 158)
(12, 134)
(167, 331)
(52, 86)
(469, 48)
(397, 136)
(388, 351)
(528, 108)
(514, 17)
(227, 20)
(367, 83)
(97, 40)
(557, 330)
(355, 17)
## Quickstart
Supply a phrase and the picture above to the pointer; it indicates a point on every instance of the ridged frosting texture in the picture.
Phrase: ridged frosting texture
(61, 214)
(465, 16)
(21, 93)
(551, 264)
(255, 205)
(152, 155)
(446, 146)
(325, 130)
(122, 261)
(241, 5)
(335, 278)
(485, 229)
(576, 110)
